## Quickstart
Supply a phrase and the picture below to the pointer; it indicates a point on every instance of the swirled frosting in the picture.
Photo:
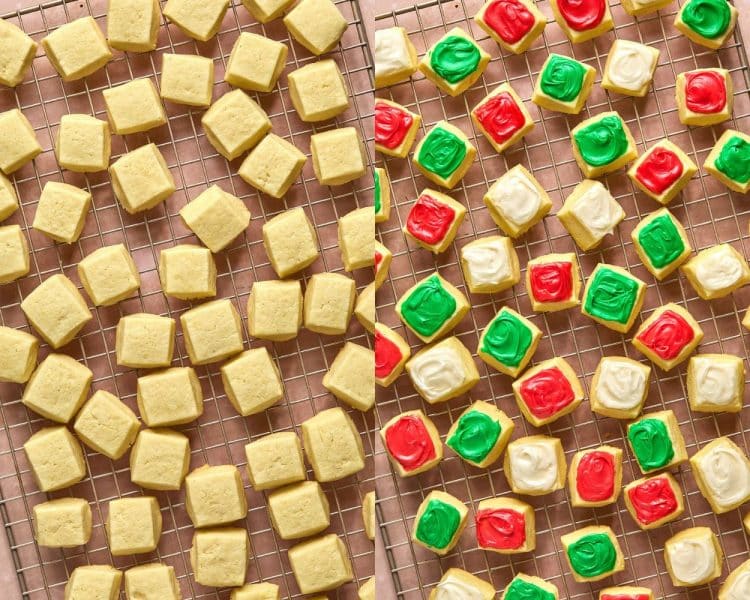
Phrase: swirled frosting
(507, 339)
(667, 336)
(551, 281)
(509, 19)
(562, 78)
(661, 241)
(598, 211)
(692, 560)
(429, 220)
(603, 141)
(582, 14)
(454, 58)
(631, 65)
(595, 476)
(409, 442)
(520, 589)
(533, 466)
(391, 53)
(438, 524)
(391, 125)
(487, 262)
(592, 555)
(651, 443)
(659, 170)
(500, 528)
(437, 372)
(452, 588)
(428, 307)
(475, 436)
(734, 159)
(387, 355)
(517, 199)
(500, 116)
(621, 385)
(547, 393)
(705, 92)
(718, 270)
(708, 18)
(726, 474)
(740, 589)
(653, 500)
(611, 296)
(442, 152)
(715, 381)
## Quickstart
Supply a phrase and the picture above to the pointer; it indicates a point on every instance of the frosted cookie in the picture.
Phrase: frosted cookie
(613, 297)
(716, 383)
(454, 62)
(77, 49)
(722, 472)
(593, 553)
(351, 377)
(395, 127)
(524, 586)
(234, 124)
(381, 195)
(316, 24)
(8, 197)
(61, 211)
(548, 391)
(693, 557)
(14, 253)
(709, 23)
(255, 63)
(18, 352)
(490, 264)
(644, 7)
(717, 271)
(272, 166)
(187, 272)
(364, 307)
(133, 25)
(338, 155)
(508, 342)
(517, 201)
(133, 525)
(729, 160)
(391, 354)
(456, 583)
(439, 522)
(17, 51)
(103, 581)
(252, 381)
(661, 243)
(274, 310)
(367, 590)
(265, 11)
(62, 523)
(290, 242)
(219, 556)
(256, 591)
(56, 310)
(134, 106)
(654, 501)
(275, 460)
(215, 495)
(187, 78)
(595, 477)
(505, 526)
(55, 458)
(213, 331)
(369, 515)
(513, 24)
(332, 445)
(58, 387)
(299, 510)
(394, 55)
(318, 91)
(630, 68)
(704, 96)
(170, 397)
(159, 459)
(18, 142)
(582, 22)
(141, 179)
(668, 336)
(83, 144)
(328, 303)
(619, 387)
(444, 155)
(356, 238)
(383, 258)
(626, 592)
(199, 19)
(535, 465)
(502, 117)
(216, 217)
(590, 213)
(433, 220)
(480, 434)
(603, 144)
(553, 282)
(106, 425)
(432, 307)
(563, 84)
(662, 171)
(320, 564)
(656, 441)
(737, 584)
(152, 581)
(109, 275)
(442, 371)
(412, 443)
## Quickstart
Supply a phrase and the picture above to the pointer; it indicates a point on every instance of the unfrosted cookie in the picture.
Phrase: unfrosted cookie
(432, 307)
(107, 425)
(582, 22)
(235, 123)
(505, 525)
(351, 376)
(693, 557)
(318, 91)
(290, 241)
(219, 556)
(364, 307)
(213, 331)
(159, 459)
(18, 142)
(18, 352)
(275, 460)
(199, 19)
(444, 155)
(433, 220)
(83, 144)
(216, 217)
(320, 564)
(187, 78)
(55, 458)
(77, 48)
(630, 68)
(214, 495)
(490, 264)
(17, 51)
(62, 523)
(187, 271)
(169, 397)
(272, 166)
(14, 253)
(274, 310)
(602, 144)
(58, 387)
(356, 238)
(716, 383)
(316, 24)
(654, 501)
(265, 11)
(590, 214)
(513, 24)
(299, 510)
(439, 522)
(704, 96)
(338, 156)
(517, 201)
(333, 445)
(369, 517)
(151, 582)
(563, 85)
(502, 117)
(662, 171)
(442, 371)
(595, 477)
(394, 55)
(109, 275)
(141, 179)
(619, 387)
(412, 443)
(548, 391)
(613, 297)
(454, 62)
(661, 243)
(133, 525)
(395, 127)
(256, 591)
(8, 197)
(593, 553)
(328, 303)
(553, 282)
(668, 336)
(134, 106)
(391, 354)
(101, 580)
(252, 381)
(656, 441)
(709, 23)
(61, 211)
(132, 25)
(535, 465)
(256, 62)
(508, 342)
(722, 472)
(729, 160)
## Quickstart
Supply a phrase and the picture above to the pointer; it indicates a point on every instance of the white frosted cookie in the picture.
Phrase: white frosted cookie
(443, 371)
(590, 214)
(457, 584)
(395, 56)
(619, 387)
(716, 383)
(722, 471)
(693, 557)
(517, 201)
(490, 264)
(717, 271)
(535, 465)
(630, 68)
(737, 585)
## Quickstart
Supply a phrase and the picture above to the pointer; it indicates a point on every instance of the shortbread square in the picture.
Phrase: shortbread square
(590, 213)
(8, 197)
(382, 262)
(351, 377)
(564, 84)
(495, 346)
(274, 310)
(517, 201)
(14, 253)
(704, 96)
(396, 127)
(18, 142)
(18, 352)
(141, 179)
(662, 171)
(272, 166)
(187, 78)
(450, 512)
(451, 358)
(405, 429)
(62, 523)
(199, 19)
(536, 449)
(493, 428)
(444, 155)
(356, 236)
(299, 510)
(152, 581)
(77, 49)
(219, 556)
(595, 477)
(613, 297)
(159, 459)
(97, 581)
(394, 56)
(133, 525)
(661, 243)
(17, 51)
(728, 162)
(83, 144)
(656, 441)
(252, 381)
(644, 7)
(170, 397)
(582, 25)
(454, 62)
(433, 220)
(56, 310)
(265, 11)
(735, 585)
(518, 533)
(329, 302)
(290, 242)
(668, 336)
(619, 387)
(368, 514)
(234, 124)
(109, 275)
(215, 496)
(133, 25)
(381, 195)
(58, 387)
(107, 425)
(548, 391)
(713, 466)
(187, 272)
(213, 331)
(338, 155)
(318, 91)
(515, 29)
(490, 264)
(216, 217)
(716, 383)
(681, 550)
(578, 546)
(364, 307)
(275, 460)
(257, 591)
(134, 106)
(144, 341)
(320, 564)
(316, 24)
(523, 584)
(502, 117)
(391, 354)
(711, 33)
(432, 307)
(630, 68)
(602, 144)
(255, 62)
(333, 445)
(654, 501)
(55, 458)
(553, 282)
(61, 211)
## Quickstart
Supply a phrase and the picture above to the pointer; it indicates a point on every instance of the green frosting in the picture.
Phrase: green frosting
(442, 152)
(520, 589)
(455, 58)
(661, 241)
(734, 159)
(651, 444)
(428, 307)
(708, 18)
(592, 555)
(562, 78)
(475, 436)
(507, 339)
(603, 141)
(378, 202)
(611, 296)
(438, 524)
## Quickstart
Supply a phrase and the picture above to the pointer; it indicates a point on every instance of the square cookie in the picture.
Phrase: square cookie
(55, 458)
(595, 477)
(320, 564)
(517, 534)
(214, 495)
(102, 580)
(728, 162)
(661, 243)
(141, 179)
(433, 220)
(18, 142)
(356, 238)
(14, 253)
(170, 397)
(219, 556)
(553, 282)
(405, 432)
(18, 352)
(439, 522)
(61, 211)
(328, 303)
(109, 275)
(316, 24)
(444, 155)
(257, 591)
(265, 11)
(630, 68)
(668, 336)
(523, 454)
(133, 525)
(58, 387)
(454, 62)
(187, 271)
(442, 371)
(383, 259)
(338, 156)
(216, 217)
(106, 425)
(582, 25)
(133, 25)
(318, 91)
(490, 264)
(508, 342)
(613, 297)
(603, 144)
(432, 307)
(391, 354)
(17, 51)
(275, 460)
(272, 166)
(704, 96)
(134, 106)
(62, 523)
(394, 55)
(332, 445)
(517, 201)
(644, 7)
(213, 331)
(735, 585)
(522, 585)
(274, 310)
(77, 49)
(722, 472)
(480, 434)
(619, 387)
(548, 391)
(516, 29)
(396, 127)
(590, 214)
(199, 19)
(693, 557)
(159, 459)
(578, 545)
(187, 78)
(662, 171)
(152, 581)
(716, 383)
(564, 84)
(654, 501)
(8, 197)
(252, 381)
(351, 377)
(299, 510)
(255, 63)
(458, 579)
(83, 144)
(234, 124)
(711, 33)
(364, 307)
(290, 242)
(502, 117)
(656, 441)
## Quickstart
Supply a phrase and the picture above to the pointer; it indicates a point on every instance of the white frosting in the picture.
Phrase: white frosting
(692, 560)
(631, 65)
(621, 385)
(452, 588)
(715, 381)
(740, 589)
(533, 466)
(516, 198)
(391, 52)
(487, 262)
(598, 211)
(726, 474)
(718, 270)
(437, 372)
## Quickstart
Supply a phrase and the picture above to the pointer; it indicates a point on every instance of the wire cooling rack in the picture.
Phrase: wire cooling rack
(220, 435)
(710, 214)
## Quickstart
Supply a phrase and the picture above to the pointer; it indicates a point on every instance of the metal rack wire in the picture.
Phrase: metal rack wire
(710, 214)
(219, 436)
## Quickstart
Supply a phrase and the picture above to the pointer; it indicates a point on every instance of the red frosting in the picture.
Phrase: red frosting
(391, 125)
(653, 500)
(429, 219)
(624, 597)
(409, 443)
(595, 477)
(552, 281)
(500, 528)
(546, 393)
(378, 260)
(510, 19)
(659, 170)
(582, 14)
(668, 335)
(387, 355)
(705, 92)
(500, 116)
